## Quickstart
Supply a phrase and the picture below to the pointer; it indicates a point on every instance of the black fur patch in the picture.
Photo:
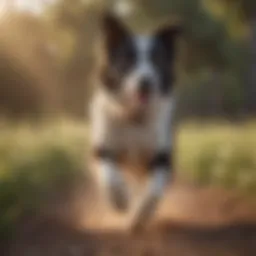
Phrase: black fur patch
(104, 153)
(120, 61)
(161, 159)
(122, 56)
(163, 57)
(120, 52)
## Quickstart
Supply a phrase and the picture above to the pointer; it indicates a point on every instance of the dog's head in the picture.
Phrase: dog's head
(138, 68)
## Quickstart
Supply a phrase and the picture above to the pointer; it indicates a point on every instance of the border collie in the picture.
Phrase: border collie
(131, 113)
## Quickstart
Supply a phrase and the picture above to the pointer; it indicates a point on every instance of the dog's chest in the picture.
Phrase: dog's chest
(136, 141)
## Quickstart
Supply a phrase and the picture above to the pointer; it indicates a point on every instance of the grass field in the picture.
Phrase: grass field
(218, 154)
(33, 159)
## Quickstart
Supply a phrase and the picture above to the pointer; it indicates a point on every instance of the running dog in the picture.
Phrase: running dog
(131, 112)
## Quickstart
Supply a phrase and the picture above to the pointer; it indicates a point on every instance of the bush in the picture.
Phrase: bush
(33, 162)
(219, 154)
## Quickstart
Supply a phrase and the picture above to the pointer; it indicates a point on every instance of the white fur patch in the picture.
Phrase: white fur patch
(154, 135)
(108, 173)
(148, 203)
(144, 68)
(158, 182)
(164, 123)
(113, 184)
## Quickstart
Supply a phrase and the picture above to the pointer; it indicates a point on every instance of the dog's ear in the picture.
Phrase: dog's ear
(114, 31)
(168, 34)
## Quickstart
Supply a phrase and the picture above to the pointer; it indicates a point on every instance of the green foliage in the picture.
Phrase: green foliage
(34, 163)
(224, 155)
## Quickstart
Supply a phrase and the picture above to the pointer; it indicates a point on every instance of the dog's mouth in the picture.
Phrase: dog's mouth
(136, 105)
(139, 108)
(143, 98)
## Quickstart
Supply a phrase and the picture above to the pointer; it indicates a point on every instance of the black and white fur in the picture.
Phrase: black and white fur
(132, 111)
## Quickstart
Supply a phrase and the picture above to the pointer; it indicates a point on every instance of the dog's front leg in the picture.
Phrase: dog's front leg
(111, 179)
(159, 170)
(147, 204)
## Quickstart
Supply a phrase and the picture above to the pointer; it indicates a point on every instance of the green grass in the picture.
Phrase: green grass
(222, 155)
(34, 160)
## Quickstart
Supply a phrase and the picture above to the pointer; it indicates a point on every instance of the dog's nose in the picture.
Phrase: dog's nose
(145, 87)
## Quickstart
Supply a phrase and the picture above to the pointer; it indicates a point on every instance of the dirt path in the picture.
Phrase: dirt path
(190, 222)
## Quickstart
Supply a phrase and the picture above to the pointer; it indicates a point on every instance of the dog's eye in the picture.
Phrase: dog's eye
(127, 59)
(130, 55)
(159, 58)
(156, 58)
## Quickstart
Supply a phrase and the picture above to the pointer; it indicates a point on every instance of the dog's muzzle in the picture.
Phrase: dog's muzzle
(144, 91)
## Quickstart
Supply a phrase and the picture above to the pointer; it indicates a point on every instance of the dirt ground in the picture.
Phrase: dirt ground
(190, 222)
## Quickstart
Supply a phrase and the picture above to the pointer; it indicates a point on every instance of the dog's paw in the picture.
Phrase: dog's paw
(113, 186)
(148, 203)
(143, 213)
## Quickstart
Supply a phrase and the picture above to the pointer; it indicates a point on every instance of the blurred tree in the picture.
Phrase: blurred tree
(75, 23)
(242, 14)
(28, 68)
(214, 51)
(214, 39)
(250, 15)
